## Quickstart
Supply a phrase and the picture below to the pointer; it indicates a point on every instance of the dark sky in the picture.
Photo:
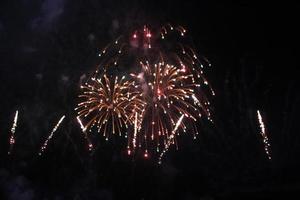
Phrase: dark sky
(47, 45)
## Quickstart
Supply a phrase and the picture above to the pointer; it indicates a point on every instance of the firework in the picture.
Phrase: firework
(12, 136)
(44, 147)
(264, 135)
(169, 78)
(90, 145)
(135, 130)
(169, 92)
(108, 105)
(170, 139)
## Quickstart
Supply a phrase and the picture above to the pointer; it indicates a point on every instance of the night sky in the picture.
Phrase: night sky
(47, 46)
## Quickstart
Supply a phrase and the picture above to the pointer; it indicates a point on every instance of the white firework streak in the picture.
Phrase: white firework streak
(43, 148)
(170, 139)
(12, 136)
(197, 102)
(135, 130)
(90, 145)
(264, 135)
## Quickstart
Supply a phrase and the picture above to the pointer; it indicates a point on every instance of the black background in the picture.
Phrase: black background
(46, 46)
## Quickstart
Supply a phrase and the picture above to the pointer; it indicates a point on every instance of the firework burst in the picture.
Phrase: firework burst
(169, 92)
(108, 104)
(168, 78)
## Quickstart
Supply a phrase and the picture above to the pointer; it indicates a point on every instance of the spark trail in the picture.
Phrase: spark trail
(90, 145)
(12, 136)
(44, 147)
(170, 139)
(264, 135)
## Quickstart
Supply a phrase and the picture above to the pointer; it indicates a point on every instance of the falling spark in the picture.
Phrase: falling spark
(90, 145)
(170, 139)
(43, 148)
(135, 130)
(12, 136)
(178, 123)
(264, 135)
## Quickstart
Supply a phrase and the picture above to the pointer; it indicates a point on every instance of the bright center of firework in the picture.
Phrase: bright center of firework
(158, 91)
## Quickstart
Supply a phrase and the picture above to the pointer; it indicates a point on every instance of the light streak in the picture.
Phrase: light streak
(44, 146)
(264, 135)
(12, 136)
